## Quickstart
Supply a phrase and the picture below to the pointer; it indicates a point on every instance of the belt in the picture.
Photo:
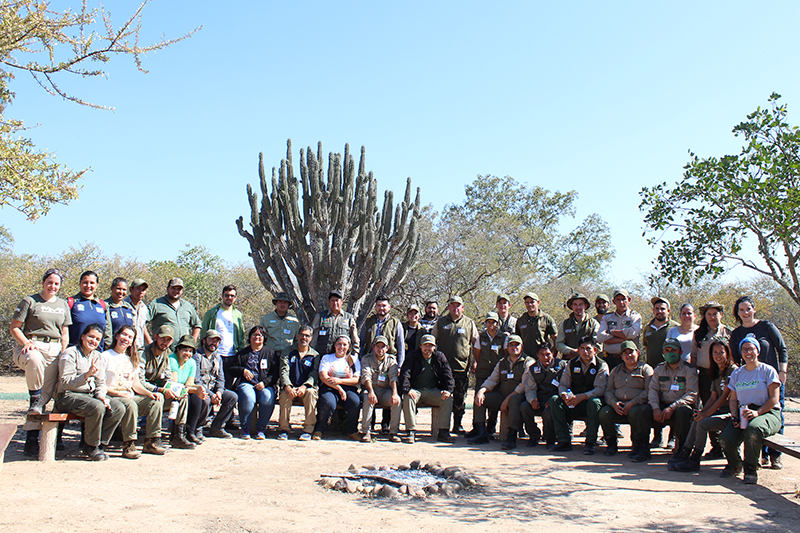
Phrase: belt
(44, 339)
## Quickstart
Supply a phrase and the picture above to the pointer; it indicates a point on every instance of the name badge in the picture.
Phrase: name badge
(263, 364)
(323, 332)
(484, 343)
(555, 382)
(495, 347)
(381, 377)
(287, 332)
(113, 314)
(576, 370)
(307, 362)
(461, 330)
(293, 359)
(446, 327)
(674, 387)
(99, 310)
(510, 375)
(537, 370)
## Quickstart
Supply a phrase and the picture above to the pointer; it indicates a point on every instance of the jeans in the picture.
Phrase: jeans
(248, 397)
(329, 399)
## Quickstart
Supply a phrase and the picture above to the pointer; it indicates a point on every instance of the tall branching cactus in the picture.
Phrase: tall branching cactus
(313, 234)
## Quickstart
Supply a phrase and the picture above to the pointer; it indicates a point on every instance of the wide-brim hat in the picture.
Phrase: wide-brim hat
(281, 296)
(712, 305)
(578, 296)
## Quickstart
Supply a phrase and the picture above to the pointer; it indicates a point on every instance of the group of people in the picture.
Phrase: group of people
(114, 361)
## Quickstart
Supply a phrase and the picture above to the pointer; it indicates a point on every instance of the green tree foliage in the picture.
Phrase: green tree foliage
(702, 222)
(318, 233)
(506, 237)
(48, 43)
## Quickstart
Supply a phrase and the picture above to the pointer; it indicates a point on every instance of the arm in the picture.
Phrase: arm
(561, 346)
(602, 331)
(107, 334)
(635, 330)
(356, 348)
(400, 342)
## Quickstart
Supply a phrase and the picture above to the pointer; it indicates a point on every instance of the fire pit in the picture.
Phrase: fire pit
(415, 480)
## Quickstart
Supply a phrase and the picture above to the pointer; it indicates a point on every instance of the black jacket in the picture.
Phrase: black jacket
(412, 367)
(268, 367)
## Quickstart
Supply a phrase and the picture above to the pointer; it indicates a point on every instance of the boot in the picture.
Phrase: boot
(534, 436)
(59, 434)
(129, 450)
(32, 443)
(192, 437)
(491, 424)
(716, 450)
(444, 436)
(153, 446)
(199, 434)
(482, 437)
(691, 464)
(611, 446)
(178, 439)
(412, 436)
(658, 438)
(750, 475)
(457, 427)
(36, 404)
(511, 440)
(641, 451)
(680, 455)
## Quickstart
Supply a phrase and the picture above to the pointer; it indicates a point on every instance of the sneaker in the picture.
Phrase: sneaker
(317, 435)
(412, 437)
(245, 436)
(283, 435)
(671, 443)
(96, 454)
(260, 436)
(367, 437)
(220, 434)
(393, 437)
(776, 462)
(305, 437)
(37, 405)
(129, 450)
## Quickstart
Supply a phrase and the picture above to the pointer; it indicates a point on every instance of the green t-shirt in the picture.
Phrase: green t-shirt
(188, 370)
(427, 378)
(42, 318)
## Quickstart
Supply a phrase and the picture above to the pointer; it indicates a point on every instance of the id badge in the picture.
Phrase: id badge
(263, 364)
(674, 387)
(555, 383)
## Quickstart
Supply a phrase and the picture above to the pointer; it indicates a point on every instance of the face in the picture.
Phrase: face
(586, 352)
(51, 285)
(545, 356)
(342, 346)
(91, 340)
(162, 343)
(432, 309)
(630, 357)
(514, 349)
(713, 317)
(746, 311)
(382, 308)
(601, 306)
(413, 317)
(174, 292)
(687, 315)
(427, 350)
(456, 310)
(380, 350)
(124, 339)
(228, 297)
(671, 355)
(579, 307)
(621, 303)
(137, 293)
(532, 305)
(720, 356)
(335, 304)
(211, 344)
(88, 285)
(491, 325)
(185, 353)
(282, 307)
(303, 339)
(257, 339)
(503, 307)
(119, 291)
(749, 352)
(661, 311)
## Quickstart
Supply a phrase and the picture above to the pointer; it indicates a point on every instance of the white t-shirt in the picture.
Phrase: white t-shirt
(685, 339)
(225, 328)
(751, 386)
(337, 367)
(119, 371)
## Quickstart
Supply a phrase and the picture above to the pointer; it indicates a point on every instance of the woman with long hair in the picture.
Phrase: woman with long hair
(339, 374)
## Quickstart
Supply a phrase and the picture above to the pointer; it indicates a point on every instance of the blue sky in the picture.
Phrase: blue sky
(602, 98)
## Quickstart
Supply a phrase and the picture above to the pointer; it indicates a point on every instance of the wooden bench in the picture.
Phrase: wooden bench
(7, 432)
(47, 439)
(783, 444)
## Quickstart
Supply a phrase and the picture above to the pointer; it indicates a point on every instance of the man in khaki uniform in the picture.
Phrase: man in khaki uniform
(328, 325)
(505, 322)
(281, 325)
(535, 326)
(455, 335)
(576, 326)
(623, 324)
(379, 374)
(486, 353)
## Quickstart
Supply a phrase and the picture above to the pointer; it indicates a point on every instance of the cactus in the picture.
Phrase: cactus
(337, 238)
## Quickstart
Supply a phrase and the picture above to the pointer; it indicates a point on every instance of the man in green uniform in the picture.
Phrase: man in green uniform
(380, 323)
(170, 310)
(281, 325)
(456, 335)
(576, 326)
(535, 326)
(329, 324)
(487, 352)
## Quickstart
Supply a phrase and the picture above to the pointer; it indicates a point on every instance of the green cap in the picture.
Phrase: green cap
(211, 333)
(673, 343)
(531, 295)
(503, 296)
(166, 331)
(578, 296)
(380, 338)
(603, 297)
(427, 339)
(514, 338)
(491, 315)
(622, 292)
(627, 345)
(455, 300)
(138, 282)
(188, 341)
(659, 300)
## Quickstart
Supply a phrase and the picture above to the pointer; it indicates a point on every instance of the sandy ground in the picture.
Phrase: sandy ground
(255, 486)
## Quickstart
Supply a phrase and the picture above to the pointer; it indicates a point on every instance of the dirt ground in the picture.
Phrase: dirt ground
(258, 486)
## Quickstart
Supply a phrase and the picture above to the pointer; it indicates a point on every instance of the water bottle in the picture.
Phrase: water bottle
(570, 395)
(173, 409)
(742, 420)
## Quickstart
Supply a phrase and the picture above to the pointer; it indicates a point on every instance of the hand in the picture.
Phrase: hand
(259, 386)
(169, 395)
(619, 408)
(627, 408)
(667, 413)
(216, 399)
(300, 391)
(201, 393)
(535, 404)
(28, 347)
(445, 395)
(247, 375)
(658, 415)
(157, 396)
(700, 415)
(372, 398)
(782, 375)
(395, 399)
(106, 403)
(504, 406)
(342, 394)
(479, 398)
(749, 414)
(94, 367)
(473, 367)
(413, 394)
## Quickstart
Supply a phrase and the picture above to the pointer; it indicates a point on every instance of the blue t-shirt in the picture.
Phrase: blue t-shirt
(86, 312)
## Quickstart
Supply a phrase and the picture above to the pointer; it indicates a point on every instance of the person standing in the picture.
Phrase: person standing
(684, 331)
(535, 326)
(171, 310)
(430, 317)
(380, 323)
(120, 311)
(411, 327)
(506, 323)
(486, 353)
(227, 321)
(623, 324)
(601, 305)
(710, 328)
(88, 308)
(576, 326)
(655, 332)
(329, 325)
(281, 325)
(138, 289)
(40, 325)
(455, 336)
